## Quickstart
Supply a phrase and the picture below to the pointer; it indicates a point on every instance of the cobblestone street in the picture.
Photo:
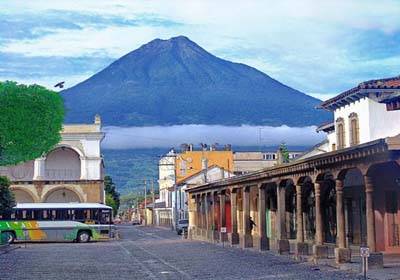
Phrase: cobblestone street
(153, 253)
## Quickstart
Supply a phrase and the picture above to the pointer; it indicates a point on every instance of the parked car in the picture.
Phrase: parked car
(182, 226)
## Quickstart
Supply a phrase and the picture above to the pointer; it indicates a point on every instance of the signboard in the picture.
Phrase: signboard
(364, 252)
(223, 229)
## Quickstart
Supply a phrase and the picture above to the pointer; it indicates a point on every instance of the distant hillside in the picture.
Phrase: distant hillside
(175, 81)
(129, 168)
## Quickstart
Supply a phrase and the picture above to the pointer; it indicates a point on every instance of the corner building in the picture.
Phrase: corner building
(71, 172)
(343, 195)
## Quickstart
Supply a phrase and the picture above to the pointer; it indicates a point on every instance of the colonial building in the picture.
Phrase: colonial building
(207, 174)
(245, 162)
(344, 194)
(71, 172)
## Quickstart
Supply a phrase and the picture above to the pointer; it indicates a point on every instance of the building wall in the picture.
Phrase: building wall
(74, 165)
(41, 192)
(375, 121)
(383, 123)
(166, 179)
(190, 162)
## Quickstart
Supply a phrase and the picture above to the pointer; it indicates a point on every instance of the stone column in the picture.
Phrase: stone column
(261, 241)
(39, 171)
(342, 254)
(215, 230)
(375, 259)
(207, 212)
(319, 250)
(282, 243)
(203, 216)
(84, 170)
(234, 236)
(246, 240)
(192, 216)
(222, 216)
(198, 216)
(301, 247)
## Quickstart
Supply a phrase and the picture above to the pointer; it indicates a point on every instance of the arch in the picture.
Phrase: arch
(386, 205)
(24, 195)
(68, 146)
(63, 163)
(63, 194)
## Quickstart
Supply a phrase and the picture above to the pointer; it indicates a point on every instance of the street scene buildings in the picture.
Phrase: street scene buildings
(221, 140)
(71, 172)
(342, 196)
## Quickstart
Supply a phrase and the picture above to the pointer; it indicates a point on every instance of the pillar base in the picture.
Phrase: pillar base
(210, 235)
(215, 235)
(261, 243)
(283, 246)
(223, 237)
(320, 251)
(375, 260)
(246, 241)
(191, 233)
(233, 238)
(301, 248)
(342, 255)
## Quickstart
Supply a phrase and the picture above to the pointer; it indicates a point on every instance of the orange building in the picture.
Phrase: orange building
(191, 162)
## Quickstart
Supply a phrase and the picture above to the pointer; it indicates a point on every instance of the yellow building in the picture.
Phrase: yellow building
(191, 162)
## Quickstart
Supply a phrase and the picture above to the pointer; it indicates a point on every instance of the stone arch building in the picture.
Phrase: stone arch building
(71, 172)
(342, 195)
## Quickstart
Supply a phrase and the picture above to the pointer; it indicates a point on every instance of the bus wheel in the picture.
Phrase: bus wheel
(10, 237)
(83, 237)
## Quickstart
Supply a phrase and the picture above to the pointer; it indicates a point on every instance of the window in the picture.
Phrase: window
(354, 129)
(340, 137)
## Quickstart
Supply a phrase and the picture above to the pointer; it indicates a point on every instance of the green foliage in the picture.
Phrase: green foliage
(111, 202)
(112, 196)
(285, 152)
(31, 119)
(7, 201)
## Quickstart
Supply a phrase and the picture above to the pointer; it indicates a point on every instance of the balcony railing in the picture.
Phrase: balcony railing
(63, 174)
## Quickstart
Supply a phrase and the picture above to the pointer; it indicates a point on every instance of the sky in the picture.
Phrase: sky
(319, 47)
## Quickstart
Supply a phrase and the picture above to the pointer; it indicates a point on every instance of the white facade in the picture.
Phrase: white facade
(71, 172)
(375, 121)
(167, 178)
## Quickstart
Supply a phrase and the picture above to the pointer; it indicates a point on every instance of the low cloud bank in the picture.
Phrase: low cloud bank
(173, 136)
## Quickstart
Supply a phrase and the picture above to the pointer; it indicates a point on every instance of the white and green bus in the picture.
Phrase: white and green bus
(80, 222)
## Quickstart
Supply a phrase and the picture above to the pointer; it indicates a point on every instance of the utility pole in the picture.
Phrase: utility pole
(154, 202)
(145, 202)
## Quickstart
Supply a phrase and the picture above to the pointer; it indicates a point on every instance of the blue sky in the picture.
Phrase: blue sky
(318, 47)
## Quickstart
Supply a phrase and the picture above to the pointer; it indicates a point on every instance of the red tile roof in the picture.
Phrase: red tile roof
(357, 92)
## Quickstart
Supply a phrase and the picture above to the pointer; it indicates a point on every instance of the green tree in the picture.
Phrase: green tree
(285, 152)
(112, 196)
(7, 201)
(31, 119)
(111, 202)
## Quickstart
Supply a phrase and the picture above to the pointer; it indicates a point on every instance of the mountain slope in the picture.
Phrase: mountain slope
(175, 81)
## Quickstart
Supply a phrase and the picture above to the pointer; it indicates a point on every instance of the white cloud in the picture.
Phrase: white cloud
(173, 136)
(305, 44)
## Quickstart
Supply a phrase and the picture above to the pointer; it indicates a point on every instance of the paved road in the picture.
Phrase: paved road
(152, 253)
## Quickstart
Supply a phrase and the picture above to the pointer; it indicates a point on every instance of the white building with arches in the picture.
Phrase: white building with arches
(71, 172)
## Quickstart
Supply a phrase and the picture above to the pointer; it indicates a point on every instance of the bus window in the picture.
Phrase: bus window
(95, 215)
(105, 217)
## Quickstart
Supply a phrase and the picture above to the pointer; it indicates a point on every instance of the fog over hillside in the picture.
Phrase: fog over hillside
(173, 136)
